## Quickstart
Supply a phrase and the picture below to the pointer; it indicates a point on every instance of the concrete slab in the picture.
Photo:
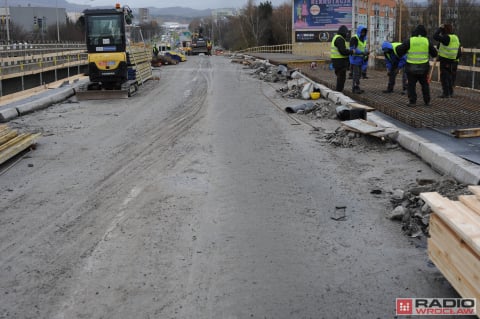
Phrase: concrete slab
(8, 114)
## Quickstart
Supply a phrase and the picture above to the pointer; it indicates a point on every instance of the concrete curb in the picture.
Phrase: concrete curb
(437, 157)
(62, 94)
(8, 114)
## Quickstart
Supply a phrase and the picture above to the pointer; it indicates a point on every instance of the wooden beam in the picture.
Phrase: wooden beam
(18, 147)
(457, 216)
(467, 132)
(4, 138)
(362, 126)
(454, 258)
(472, 202)
(475, 190)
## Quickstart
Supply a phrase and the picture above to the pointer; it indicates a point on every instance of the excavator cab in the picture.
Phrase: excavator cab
(107, 46)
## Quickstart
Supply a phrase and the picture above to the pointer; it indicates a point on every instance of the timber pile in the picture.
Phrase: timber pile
(12, 143)
(454, 243)
(140, 59)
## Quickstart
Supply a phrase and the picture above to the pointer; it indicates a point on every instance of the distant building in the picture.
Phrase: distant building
(143, 15)
(223, 13)
(379, 16)
(174, 26)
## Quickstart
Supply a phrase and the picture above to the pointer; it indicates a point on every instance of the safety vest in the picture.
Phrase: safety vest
(450, 51)
(334, 53)
(394, 45)
(361, 45)
(418, 53)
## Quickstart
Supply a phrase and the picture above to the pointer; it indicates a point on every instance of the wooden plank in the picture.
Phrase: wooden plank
(4, 138)
(457, 216)
(4, 130)
(467, 132)
(363, 126)
(472, 202)
(25, 143)
(456, 251)
(475, 190)
(451, 273)
(361, 106)
(13, 141)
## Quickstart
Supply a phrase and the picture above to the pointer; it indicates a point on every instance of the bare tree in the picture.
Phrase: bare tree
(466, 23)
(282, 24)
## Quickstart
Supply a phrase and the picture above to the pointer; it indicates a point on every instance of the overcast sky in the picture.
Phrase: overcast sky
(194, 4)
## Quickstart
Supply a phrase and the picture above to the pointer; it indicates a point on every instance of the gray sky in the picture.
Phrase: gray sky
(194, 4)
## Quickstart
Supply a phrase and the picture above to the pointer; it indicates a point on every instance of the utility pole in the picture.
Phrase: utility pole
(7, 17)
(58, 28)
(439, 12)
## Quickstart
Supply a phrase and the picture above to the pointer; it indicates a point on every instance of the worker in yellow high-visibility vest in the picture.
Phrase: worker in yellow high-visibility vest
(418, 49)
(358, 43)
(449, 53)
(339, 56)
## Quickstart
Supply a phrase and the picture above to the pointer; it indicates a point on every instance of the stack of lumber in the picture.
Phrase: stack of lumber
(12, 143)
(141, 58)
(454, 243)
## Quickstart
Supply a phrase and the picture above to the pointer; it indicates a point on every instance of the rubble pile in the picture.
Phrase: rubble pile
(295, 92)
(268, 72)
(342, 138)
(412, 211)
(325, 110)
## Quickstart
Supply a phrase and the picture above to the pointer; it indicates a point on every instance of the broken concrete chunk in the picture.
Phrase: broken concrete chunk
(397, 213)
(398, 194)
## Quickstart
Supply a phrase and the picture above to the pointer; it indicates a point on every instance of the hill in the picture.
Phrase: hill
(169, 12)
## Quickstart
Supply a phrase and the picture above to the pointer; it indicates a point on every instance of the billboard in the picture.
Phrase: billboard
(327, 15)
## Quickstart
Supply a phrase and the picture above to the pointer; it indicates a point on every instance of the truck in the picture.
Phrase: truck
(116, 66)
(200, 43)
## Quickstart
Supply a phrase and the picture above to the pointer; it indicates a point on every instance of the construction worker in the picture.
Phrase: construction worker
(449, 53)
(155, 50)
(209, 47)
(339, 56)
(418, 49)
(358, 43)
(394, 64)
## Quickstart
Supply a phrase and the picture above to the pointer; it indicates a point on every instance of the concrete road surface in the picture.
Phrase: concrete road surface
(198, 198)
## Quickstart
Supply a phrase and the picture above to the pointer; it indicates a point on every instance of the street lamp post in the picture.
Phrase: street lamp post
(58, 28)
(7, 18)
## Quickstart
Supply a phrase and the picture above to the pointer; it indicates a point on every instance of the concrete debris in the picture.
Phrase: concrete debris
(413, 211)
(398, 194)
(397, 213)
(342, 138)
(324, 110)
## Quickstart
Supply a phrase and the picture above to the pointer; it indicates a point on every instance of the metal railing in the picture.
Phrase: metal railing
(470, 61)
(24, 59)
(281, 48)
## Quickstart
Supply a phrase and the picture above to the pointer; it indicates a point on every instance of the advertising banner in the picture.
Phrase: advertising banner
(316, 36)
(322, 14)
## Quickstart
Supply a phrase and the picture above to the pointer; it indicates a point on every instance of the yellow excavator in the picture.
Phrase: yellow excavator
(113, 69)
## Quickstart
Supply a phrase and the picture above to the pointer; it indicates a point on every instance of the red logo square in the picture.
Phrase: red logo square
(404, 306)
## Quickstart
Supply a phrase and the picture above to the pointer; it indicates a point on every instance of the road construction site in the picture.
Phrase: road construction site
(201, 197)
